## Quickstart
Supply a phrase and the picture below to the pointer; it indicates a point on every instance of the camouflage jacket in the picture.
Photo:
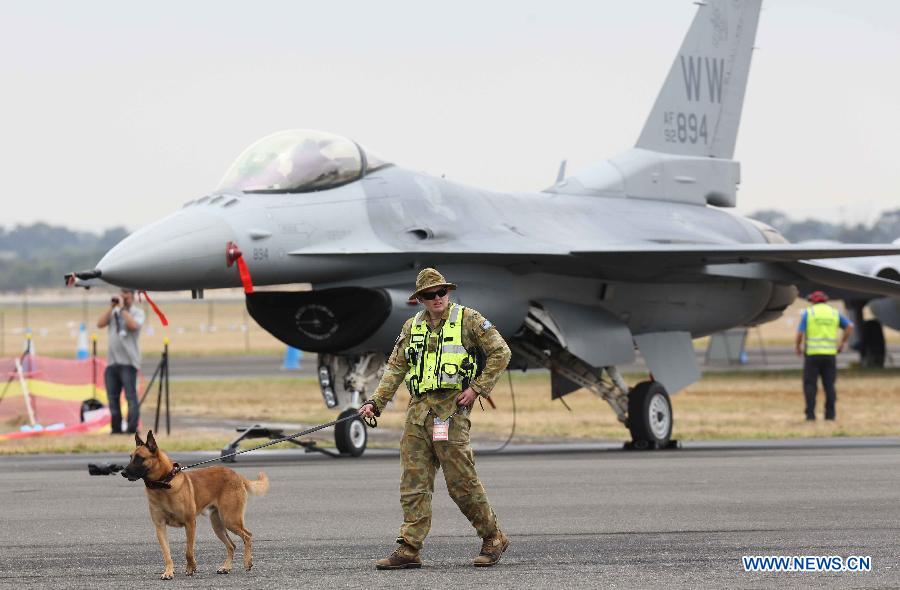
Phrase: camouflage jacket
(476, 332)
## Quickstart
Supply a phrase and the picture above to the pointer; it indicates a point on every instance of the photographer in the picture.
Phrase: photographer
(124, 357)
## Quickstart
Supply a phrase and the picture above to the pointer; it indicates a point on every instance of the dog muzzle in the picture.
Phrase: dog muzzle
(132, 475)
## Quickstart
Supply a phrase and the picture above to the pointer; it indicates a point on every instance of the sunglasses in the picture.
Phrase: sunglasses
(431, 295)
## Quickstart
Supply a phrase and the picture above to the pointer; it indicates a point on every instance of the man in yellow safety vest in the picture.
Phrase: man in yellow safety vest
(817, 340)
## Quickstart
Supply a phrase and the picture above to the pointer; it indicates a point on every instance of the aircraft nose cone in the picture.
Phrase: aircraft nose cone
(185, 250)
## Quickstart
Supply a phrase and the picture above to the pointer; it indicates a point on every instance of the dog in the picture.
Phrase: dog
(176, 498)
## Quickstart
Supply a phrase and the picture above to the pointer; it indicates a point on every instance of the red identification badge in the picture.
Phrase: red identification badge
(441, 430)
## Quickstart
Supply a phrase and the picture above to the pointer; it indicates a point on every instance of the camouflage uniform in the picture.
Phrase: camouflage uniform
(419, 455)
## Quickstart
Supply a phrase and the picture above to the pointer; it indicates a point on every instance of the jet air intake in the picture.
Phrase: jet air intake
(326, 321)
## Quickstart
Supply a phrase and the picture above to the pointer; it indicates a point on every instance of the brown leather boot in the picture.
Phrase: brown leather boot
(404, 557)
(492, 549)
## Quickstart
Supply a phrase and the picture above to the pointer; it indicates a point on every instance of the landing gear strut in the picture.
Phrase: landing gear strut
(645, 409)
(610, 387)
(873, 350)
(868, 338)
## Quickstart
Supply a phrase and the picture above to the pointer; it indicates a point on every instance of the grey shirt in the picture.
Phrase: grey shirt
(124, 347)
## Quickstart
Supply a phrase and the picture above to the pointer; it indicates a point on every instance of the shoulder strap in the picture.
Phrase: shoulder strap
(455, 312)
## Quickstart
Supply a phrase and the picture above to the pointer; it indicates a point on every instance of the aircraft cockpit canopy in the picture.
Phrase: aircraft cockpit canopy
(299, 161)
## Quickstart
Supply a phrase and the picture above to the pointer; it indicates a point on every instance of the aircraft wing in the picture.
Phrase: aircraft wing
(666, 254)
(842, 284)
(809, 276)
(787, 263)
(692, 254)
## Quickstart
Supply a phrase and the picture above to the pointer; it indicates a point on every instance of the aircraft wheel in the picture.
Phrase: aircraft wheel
(649, 415)
(872, 352)
(351, 436)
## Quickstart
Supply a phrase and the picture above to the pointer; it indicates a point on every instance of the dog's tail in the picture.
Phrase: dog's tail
(258, 487)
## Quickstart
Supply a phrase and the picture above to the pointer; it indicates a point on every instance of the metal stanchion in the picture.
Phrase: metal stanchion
(25, 311)
(162, 373)
(166, 376)
(246, 327)
(93, 366)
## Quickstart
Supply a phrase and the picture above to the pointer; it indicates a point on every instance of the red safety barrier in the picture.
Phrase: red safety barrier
(56, 389)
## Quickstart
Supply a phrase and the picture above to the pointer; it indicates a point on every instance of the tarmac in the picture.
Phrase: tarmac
(579, 516)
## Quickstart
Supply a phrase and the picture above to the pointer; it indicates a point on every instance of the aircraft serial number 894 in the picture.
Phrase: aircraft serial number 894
(682, 128)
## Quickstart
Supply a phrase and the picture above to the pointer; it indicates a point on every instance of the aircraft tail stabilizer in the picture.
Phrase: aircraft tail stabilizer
(698, 109)
(684, 152)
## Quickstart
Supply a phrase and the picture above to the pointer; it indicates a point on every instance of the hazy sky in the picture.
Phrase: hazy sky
(118, 112)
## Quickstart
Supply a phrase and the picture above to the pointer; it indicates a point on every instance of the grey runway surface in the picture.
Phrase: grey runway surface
(578, 516)
(243, 366)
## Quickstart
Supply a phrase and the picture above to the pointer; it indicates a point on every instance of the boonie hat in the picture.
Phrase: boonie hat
(428, 279)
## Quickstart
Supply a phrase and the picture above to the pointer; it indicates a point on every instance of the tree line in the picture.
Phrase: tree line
(883, 230)
(39, 255)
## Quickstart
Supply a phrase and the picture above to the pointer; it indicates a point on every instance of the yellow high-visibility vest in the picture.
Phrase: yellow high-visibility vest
(822, 323)
(438, 360)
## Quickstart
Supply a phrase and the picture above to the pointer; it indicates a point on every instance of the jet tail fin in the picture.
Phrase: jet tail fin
(698, 110)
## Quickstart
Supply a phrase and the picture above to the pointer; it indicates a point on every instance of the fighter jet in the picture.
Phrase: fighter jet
(636, 253)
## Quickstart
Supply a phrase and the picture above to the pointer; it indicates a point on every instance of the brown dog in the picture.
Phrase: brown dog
(177, 498)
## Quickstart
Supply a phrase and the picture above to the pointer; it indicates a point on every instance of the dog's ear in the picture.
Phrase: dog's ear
(151, 442)
(137, 440)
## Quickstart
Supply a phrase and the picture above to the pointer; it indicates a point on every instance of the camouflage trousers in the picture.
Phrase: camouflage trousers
(420, 458)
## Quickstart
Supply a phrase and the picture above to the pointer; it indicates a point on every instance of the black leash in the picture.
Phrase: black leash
(370, 422)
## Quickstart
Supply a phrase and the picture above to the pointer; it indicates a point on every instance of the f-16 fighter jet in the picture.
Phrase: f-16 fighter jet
(636, 253)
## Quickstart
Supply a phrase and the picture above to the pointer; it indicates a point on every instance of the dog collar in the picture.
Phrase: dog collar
(164, 483)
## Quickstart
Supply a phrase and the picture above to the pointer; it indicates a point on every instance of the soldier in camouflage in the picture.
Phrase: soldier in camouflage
(422, 449)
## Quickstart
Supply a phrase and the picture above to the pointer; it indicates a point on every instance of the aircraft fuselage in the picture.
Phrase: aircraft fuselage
(395, 214)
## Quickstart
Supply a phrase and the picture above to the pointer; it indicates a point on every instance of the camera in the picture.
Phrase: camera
(115, 301)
